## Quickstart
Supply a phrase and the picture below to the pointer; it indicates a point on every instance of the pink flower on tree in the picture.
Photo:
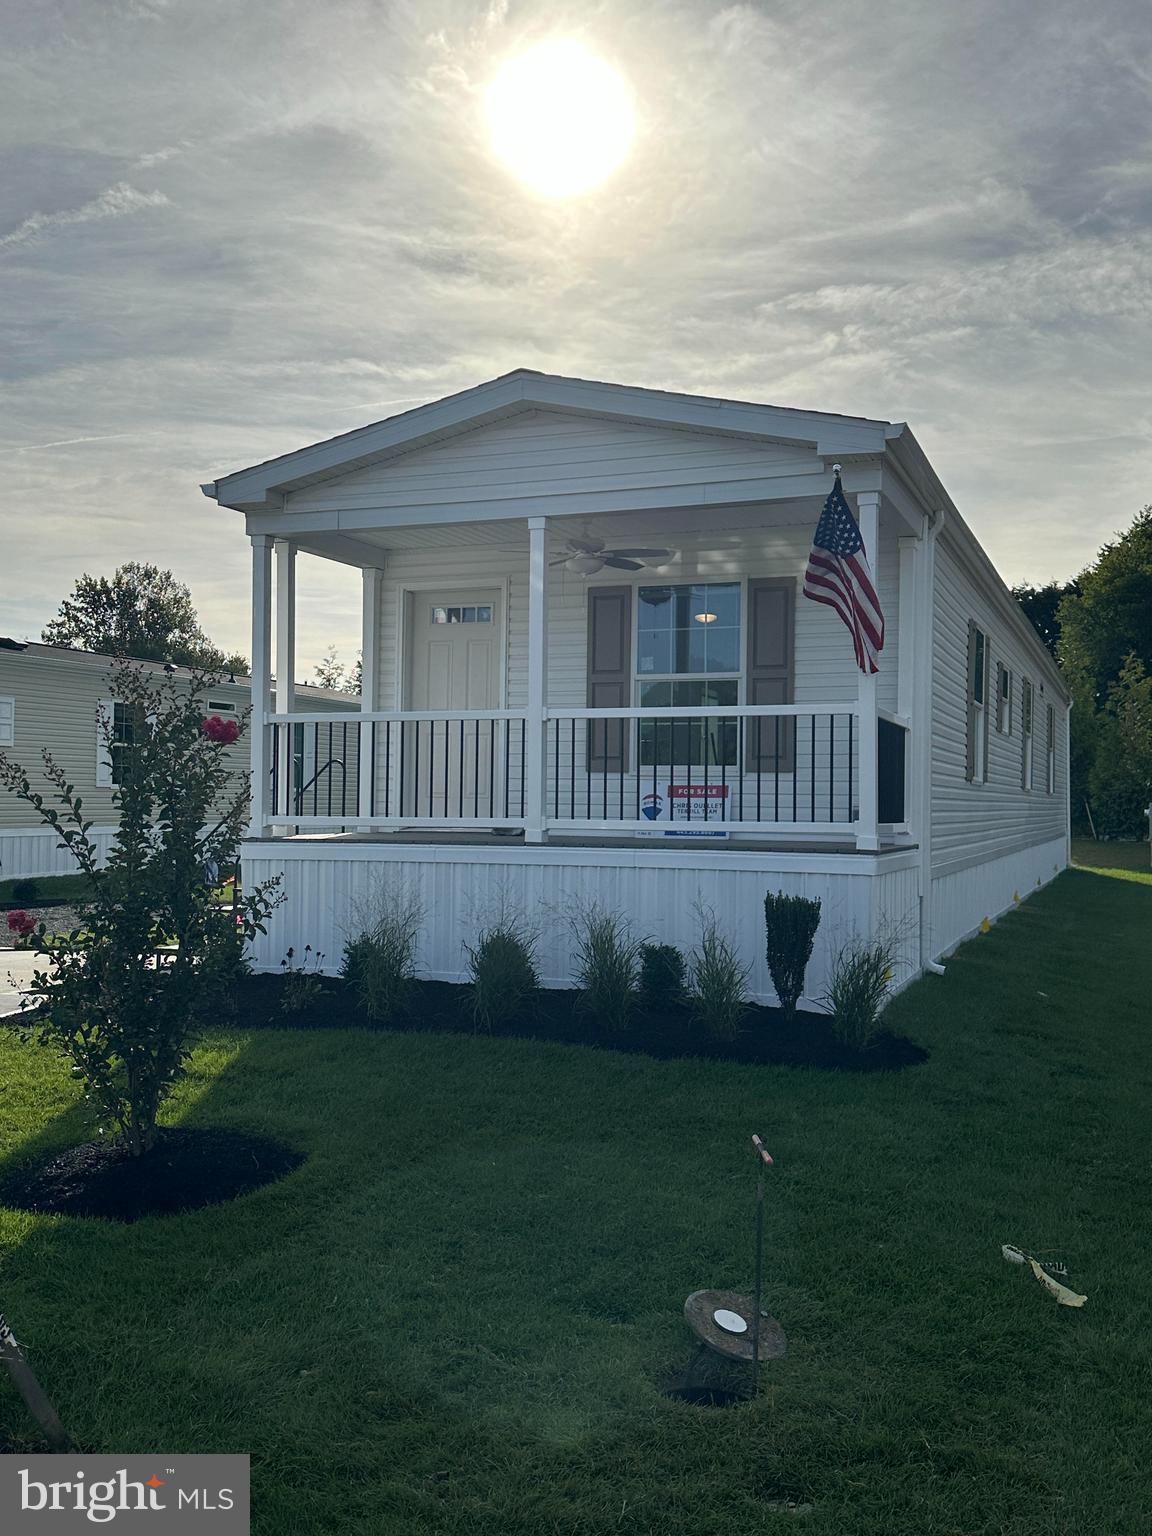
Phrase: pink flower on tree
(216, 728)
(21, 924)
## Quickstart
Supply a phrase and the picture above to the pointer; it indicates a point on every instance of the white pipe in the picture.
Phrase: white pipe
(934, 966)
(926, 626)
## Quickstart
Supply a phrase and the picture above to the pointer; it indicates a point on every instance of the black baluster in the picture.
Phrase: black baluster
(831, 767)
(507, 725)
(275, 770)
(851, 744)
(491, 770)
(523, 742)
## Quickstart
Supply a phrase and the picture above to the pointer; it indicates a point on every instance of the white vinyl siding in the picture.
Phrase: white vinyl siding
(972, 823)
(57, 694)
(539, 453)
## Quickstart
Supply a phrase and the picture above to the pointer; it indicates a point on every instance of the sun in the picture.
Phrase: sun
(560, 118)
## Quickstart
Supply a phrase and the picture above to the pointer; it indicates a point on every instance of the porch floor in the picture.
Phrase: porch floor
(464, 839)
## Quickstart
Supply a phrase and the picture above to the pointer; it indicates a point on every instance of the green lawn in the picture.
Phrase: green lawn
(1109, 857)
(449, 1321)
(49, 888)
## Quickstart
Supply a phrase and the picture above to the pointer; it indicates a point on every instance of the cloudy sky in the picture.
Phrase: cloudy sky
(228, 229)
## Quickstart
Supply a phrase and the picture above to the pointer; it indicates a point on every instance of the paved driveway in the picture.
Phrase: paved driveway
(16, 967)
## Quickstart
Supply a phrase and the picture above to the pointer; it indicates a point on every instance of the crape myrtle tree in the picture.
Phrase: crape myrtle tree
(122, 1014)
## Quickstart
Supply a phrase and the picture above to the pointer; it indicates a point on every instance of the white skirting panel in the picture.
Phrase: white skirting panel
(961, 901)
(325, 884)
(35, 853)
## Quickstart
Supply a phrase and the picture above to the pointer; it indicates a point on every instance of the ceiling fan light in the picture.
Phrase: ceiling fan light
(585, 565)
(704, 618)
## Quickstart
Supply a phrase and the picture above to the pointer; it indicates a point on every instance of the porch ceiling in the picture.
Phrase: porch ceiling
(722, 528)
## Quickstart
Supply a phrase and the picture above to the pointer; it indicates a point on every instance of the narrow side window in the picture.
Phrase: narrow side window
(976, 763)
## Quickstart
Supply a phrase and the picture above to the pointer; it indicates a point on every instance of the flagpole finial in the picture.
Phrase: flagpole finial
(836, 469)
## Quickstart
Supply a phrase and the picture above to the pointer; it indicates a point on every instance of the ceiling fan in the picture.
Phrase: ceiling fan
(587, 556)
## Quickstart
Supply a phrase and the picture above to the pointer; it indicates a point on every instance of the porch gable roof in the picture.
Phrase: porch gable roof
(262, 486)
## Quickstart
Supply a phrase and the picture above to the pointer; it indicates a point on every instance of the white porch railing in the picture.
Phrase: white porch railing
(751, 769)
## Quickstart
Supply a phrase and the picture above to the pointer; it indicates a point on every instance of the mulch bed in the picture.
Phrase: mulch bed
(186, 1169)
(438, 1007)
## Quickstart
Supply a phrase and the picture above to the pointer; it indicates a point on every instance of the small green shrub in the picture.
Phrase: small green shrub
(662, 975)
(790, 923)
(717, 984)
(857, 987)
(380, 961)
(502, 965)
(607, 962)
(25, 891)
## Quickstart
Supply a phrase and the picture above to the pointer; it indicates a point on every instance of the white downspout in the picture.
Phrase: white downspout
(923, 726)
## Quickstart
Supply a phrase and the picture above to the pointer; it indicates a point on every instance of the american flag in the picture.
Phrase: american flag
(838, 575)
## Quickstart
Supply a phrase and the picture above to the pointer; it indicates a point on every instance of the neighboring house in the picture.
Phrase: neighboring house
(665, 729)
(54, 697)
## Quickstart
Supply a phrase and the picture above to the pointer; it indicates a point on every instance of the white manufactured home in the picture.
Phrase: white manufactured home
(591, 674)
(56, 697)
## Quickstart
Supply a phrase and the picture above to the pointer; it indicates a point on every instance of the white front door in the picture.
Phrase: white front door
(452, 767)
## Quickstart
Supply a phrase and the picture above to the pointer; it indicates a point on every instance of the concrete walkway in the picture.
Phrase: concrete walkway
(16, 967)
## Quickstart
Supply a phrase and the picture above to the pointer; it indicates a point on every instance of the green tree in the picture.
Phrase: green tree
(1120, 776)
(1042, 605)
(123, 1020)
(142, 612)
(1109, 615)
(330, 672)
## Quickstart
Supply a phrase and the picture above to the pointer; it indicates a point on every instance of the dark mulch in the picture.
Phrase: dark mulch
(437, 1007)
(185, 1170)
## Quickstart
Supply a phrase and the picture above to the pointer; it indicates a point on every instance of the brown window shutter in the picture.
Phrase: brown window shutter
(609, 675)
(970, 706)
(771, 741)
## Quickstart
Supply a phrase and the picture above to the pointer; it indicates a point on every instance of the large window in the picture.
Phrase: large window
(688, 655)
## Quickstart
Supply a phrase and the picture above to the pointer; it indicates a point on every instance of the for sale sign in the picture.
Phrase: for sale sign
(687, 810)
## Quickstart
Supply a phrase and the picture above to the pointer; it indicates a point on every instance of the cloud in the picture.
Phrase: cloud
(874, 210)
(114, 202)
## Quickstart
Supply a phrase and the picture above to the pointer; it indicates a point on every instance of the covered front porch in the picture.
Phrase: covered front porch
(513, 698)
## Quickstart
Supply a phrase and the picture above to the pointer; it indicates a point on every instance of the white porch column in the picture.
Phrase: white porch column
(536, 724)
(369, 685)
(261, 670)
(285, 670)
(867, 834)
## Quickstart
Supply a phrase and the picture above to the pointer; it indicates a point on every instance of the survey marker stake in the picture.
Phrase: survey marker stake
(763, 1160)
(32, 1392)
